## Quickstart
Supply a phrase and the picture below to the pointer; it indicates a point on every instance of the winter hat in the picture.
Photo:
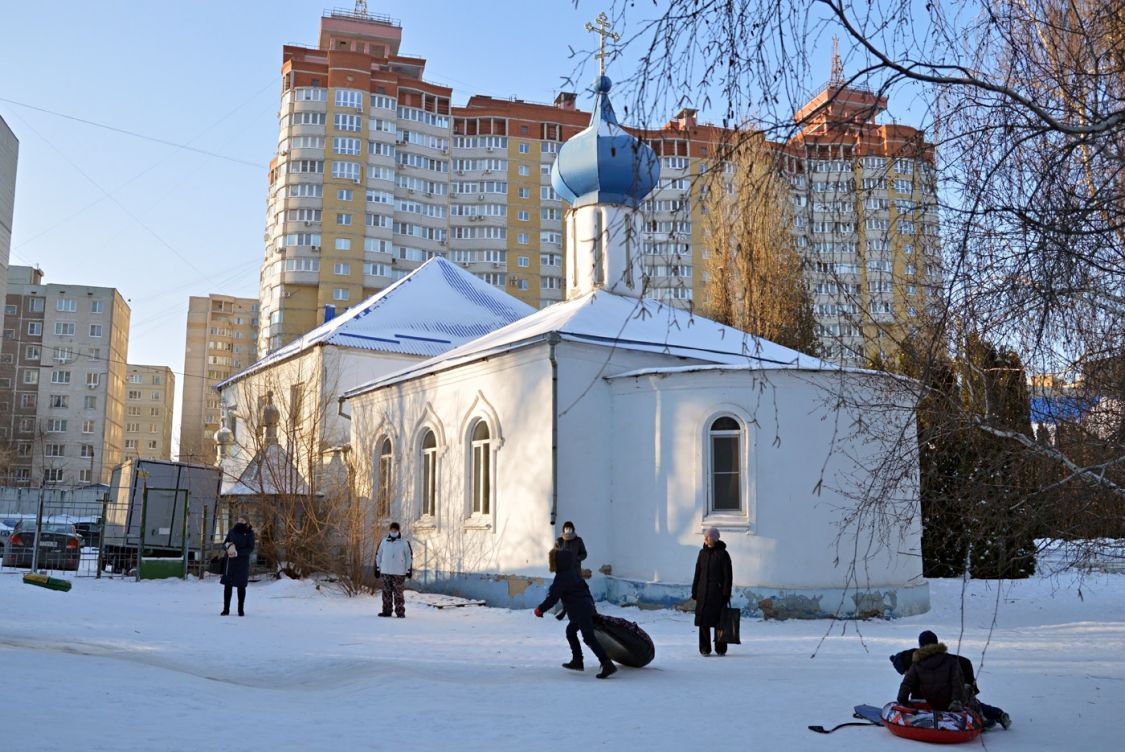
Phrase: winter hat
(712, 532)
(568, 524)
(927, 638)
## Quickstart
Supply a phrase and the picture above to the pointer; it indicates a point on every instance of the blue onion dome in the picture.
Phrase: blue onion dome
(604, 164)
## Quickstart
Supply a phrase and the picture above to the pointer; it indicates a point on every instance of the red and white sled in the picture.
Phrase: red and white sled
(924, 724)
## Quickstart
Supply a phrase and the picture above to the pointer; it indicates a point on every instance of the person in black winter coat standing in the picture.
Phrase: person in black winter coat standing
(571, 589)
(569, 541)
(711, 589)
(238, 545)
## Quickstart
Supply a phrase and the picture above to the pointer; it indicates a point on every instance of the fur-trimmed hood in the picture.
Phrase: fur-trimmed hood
(936, 648)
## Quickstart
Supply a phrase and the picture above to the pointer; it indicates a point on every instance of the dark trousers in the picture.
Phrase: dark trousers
(226, 599)
(705, 641)
(586, 627)
(394, 587)
(991, 713)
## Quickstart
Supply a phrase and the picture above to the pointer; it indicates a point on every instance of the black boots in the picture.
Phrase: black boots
(608, 670)
(575, 665)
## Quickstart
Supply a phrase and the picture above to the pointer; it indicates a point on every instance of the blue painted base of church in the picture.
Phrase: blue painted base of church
(521, 591)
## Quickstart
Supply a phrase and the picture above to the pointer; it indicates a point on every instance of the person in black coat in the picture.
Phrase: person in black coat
(569, 541)
(239, 544)
(902, 661)
(571, 589)
(711, 589)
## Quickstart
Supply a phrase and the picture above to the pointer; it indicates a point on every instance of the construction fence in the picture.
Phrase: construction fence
(85, 532)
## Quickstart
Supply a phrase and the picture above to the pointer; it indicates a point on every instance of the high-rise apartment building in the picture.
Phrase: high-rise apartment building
(9, 154)
(222, 335)
(150, 392)
(376, 172)
(62, 380)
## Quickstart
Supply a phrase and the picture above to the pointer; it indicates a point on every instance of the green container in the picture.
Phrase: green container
(160, 568)
(42, 580)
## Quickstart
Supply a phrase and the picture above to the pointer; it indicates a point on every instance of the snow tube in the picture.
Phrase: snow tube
(926, 725)
(624, 641)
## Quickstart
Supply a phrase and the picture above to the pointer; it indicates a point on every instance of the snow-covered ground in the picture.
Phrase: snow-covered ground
(119, 665)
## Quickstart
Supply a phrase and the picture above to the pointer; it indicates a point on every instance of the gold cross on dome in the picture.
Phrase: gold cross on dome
(602, 30)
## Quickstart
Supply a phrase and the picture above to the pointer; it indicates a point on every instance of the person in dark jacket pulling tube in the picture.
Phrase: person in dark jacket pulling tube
(239, 544)
(934, 675)
(711, 589)
(571, 589)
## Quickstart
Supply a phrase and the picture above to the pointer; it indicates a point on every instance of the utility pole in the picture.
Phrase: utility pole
(38, 527)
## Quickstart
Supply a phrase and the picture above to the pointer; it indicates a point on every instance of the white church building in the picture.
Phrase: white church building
(644, 425)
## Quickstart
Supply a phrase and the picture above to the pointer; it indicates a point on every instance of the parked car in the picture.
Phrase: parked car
(60, 546)
(5, 532)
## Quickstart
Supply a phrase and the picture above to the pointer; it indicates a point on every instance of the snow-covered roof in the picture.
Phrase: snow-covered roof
(436, 307)
(270, 473)
(624, 323)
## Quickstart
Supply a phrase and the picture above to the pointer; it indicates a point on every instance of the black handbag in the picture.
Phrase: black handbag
(729, 622)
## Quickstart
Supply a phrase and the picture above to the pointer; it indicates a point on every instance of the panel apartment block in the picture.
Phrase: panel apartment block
(62, 380)
(150, 392)
(222, 333)
(9, 154)
(376, 172)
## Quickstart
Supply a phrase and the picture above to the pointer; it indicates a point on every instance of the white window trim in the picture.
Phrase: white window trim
(745, 520)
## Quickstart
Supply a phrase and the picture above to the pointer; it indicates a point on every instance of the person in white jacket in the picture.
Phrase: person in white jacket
(394, 563)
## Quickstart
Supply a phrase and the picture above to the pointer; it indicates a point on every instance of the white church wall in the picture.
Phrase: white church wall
(319, 376)
(512, 392)
(591, 446)
(785, 546)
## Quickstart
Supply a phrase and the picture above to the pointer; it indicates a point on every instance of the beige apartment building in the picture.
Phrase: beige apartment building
(376, 172)
(222, 334)
(150, 392)
(9, 156)
(62, 381)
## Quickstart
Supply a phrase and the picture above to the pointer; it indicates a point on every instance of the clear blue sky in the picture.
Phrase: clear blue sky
(161, 223)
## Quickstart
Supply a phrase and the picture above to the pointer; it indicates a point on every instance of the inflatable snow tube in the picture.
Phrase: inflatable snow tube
(935, 726)
(624, 641)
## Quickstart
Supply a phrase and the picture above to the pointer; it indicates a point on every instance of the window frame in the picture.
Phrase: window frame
(742, 517)
(429, 465)
(481, 466)
(384, 477)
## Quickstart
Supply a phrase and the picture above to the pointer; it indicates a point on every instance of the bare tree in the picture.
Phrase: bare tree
(1025, 101)
(297, 482)
(757, 284)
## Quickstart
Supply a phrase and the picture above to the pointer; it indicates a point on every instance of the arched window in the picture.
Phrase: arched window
(482, 469)
(429, 474)
(725, 463)
(383, 495)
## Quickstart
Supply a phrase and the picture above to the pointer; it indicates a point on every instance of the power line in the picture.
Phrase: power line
(134, 134)
(272, 82)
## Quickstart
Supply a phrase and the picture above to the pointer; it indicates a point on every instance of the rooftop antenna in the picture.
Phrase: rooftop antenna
(602, 29)
(361, 7)
(837, 78)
